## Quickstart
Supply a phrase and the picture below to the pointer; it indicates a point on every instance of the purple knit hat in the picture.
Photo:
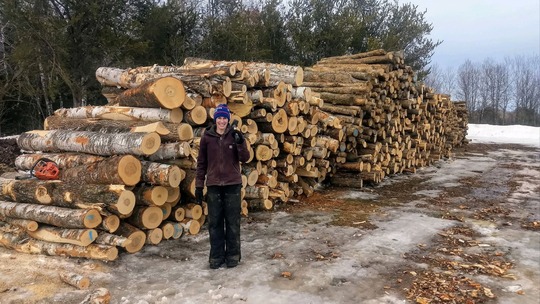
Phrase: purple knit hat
(222, 111)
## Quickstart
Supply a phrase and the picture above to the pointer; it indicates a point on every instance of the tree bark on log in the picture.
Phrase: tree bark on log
(122, 113)
(279, 72)
(173, 150)
(110, 239)
(122, 169)
(80, 237)
(75, 280)
(25, 162)
(27, 225)
(90, 196)
(98, 296)
(90, 142)
(56, 216)
(24, 244)
(105, 126)
(166, 92)
(162, 174)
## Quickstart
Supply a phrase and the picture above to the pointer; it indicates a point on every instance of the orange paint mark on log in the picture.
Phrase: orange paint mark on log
(81, 140)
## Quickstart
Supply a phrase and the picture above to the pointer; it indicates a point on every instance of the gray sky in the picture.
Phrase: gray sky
(480, 29)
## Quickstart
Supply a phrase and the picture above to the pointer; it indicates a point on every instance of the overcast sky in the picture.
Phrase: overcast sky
(480, 29)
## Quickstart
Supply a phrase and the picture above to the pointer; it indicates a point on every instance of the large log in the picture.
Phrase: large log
(123, 113)
(57, 216)
(90, 142)
(133, 78)
(166, 92)
(229, 67)
(23, 244)
(104, 126)
(80, 237)
(279, 72)
(122, 169)
(63, 160)
(84, 196)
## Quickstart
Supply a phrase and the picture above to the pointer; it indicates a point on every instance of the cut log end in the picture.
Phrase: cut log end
(175, 176)
(129, 169)
(137, 239)
(185, 131)
(152, 217)
(173, 193)
(168, 230)
(92, 219)
(299, 77)
(126, 202)
(150, 143)
(176, 115)
(170, 92)
(159, 195)
(111, 223)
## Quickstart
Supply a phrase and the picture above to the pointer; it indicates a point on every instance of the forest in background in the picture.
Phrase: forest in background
(50, 49)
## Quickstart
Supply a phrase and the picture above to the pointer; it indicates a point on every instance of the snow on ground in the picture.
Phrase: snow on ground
(516, 134)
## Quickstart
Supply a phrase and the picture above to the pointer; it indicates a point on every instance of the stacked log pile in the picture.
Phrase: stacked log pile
(128, 168)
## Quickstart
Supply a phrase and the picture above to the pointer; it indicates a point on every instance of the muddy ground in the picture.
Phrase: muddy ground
(466, 230)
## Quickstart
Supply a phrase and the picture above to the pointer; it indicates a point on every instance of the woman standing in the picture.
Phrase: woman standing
(222, 148)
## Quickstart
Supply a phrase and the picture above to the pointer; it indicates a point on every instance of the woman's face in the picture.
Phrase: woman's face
(221, 124)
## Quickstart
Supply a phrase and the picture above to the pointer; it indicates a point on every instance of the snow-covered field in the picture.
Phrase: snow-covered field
(516, 134)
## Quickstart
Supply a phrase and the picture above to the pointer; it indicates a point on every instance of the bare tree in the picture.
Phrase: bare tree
(468, 88)
(526, 82)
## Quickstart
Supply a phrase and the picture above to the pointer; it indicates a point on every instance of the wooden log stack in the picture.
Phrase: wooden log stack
(131, 163)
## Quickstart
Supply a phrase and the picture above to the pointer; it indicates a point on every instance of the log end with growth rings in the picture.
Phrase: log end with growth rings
(137, 239)
(170, 92)
(129, 169)
(92, 219)
(126, 202)
(150, 143)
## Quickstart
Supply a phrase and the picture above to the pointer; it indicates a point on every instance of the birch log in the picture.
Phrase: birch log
(162, 174)
(172, 150)
(27, 225)
(104, 126)
(110, 239)
(23, 244)
(63, 160)
(166, 92)
(57, 216)
(80, 237)
(89, 142)
(75, 279)
(123, 113)
(71, 195)
(122, 169)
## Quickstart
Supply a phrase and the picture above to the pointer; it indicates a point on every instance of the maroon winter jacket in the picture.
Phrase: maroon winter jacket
(219, 158)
